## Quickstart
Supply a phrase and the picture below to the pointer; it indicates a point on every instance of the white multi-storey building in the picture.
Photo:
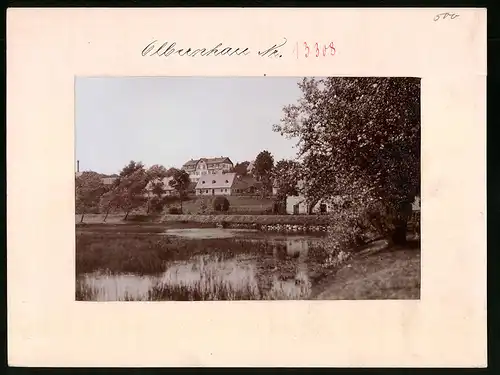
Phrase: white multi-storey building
(206, 166)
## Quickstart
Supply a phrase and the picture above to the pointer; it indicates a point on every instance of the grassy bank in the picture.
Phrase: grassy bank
(208, 219)
(250, 219)
(390, 273)
(237, 204)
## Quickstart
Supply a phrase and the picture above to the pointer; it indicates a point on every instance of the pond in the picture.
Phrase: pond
(118, 264)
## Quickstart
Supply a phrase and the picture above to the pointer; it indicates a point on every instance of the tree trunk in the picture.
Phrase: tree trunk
(148, 207)
(126, 215)
(181, 204)
(83, 214)
(106, 216)
(398, 236)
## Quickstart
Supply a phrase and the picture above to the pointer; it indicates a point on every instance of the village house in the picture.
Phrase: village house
(207, 166)
(108, 180)
(168, 190)
(298, 205)
(215, 184)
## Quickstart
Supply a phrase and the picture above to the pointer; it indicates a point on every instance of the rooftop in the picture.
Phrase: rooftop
(216, 181)
(221, 159)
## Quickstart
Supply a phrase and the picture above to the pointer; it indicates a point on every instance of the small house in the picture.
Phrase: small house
(215, 184)
(297, 205)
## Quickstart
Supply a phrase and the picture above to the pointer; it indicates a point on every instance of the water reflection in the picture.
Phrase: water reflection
(286, 277)
(207, 233)
(102, 287)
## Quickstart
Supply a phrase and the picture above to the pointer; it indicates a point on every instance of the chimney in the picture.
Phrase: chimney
(78, 165)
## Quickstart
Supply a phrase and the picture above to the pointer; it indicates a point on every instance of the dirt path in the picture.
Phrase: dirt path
(380, 274)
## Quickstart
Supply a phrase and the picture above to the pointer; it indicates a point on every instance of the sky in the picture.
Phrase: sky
(169, 120)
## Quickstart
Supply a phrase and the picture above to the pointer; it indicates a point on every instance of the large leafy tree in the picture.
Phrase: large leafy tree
(109, 201)
(286, 176)
(359, 138)
(180, 182)
(156, 187)
(88, 188)
(263, 167)
(129, 189)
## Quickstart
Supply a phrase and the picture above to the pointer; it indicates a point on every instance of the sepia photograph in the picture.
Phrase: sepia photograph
(247, 188)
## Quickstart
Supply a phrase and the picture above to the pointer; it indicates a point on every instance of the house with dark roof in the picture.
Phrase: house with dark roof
(215, 184)
(196, 168)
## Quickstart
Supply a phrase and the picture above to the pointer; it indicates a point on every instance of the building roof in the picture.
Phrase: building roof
(222, 159)
(108, 180)
(216, 181)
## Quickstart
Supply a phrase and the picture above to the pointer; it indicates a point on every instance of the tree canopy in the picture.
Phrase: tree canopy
(358, 137)
(263, 167)
(241, 169)
(88, 190)
(286, 176)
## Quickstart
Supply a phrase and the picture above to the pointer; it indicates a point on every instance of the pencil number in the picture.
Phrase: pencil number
(442, 16)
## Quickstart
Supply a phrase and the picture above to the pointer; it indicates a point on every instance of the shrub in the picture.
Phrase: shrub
(203, 207)
(174, 211)
(221, 204)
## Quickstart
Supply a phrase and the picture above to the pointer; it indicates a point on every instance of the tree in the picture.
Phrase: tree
(129, 189)
(108, 202)
(180, 182)
(263, 168)
(170, 172)
(131, 168)
(89, 189)
(359, 138)
(156, 187)
(286, 175)
(241, 169)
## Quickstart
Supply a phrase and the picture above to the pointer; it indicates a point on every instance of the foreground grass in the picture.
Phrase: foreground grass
(392, 273)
